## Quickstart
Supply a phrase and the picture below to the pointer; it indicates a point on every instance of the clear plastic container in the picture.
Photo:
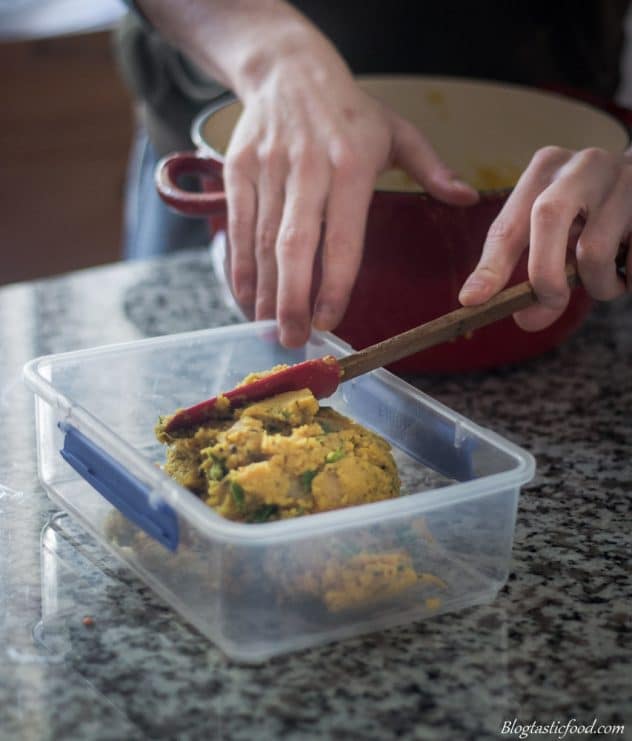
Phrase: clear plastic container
(258, 590)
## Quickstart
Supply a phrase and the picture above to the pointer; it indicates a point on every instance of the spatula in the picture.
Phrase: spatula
(323, 375)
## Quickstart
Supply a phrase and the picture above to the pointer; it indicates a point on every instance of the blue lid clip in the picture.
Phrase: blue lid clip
(129, 495)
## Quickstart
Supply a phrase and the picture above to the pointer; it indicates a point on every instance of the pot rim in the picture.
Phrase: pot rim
(198, 123)
(229, 98)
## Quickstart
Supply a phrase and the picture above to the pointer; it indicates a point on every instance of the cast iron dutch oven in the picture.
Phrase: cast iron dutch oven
(418, 251)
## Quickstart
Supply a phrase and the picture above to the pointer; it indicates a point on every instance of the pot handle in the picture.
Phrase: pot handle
(177, 164)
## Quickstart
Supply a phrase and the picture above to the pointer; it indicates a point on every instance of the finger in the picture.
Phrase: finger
(242, 207)
(299, 235)
(581, 188)
(412, 152)
(347, 208)
(508, 235)
(598, 243)
(271, 196)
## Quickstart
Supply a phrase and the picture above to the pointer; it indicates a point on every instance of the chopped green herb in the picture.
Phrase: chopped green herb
(285, 413)
(265, 513)
(217, 471)
(306, 479)
(237, 494)
(335, 455)
(161, 418)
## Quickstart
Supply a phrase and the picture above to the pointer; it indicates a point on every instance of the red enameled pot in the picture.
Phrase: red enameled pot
(418, 251)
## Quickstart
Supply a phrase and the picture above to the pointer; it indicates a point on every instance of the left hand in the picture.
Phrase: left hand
(563, 199)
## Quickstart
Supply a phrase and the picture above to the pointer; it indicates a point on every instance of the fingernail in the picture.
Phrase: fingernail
(324, 317)
(455, 179)
(474, 284)
(245, 292)
(461, 183)
(292, 334)
(265, 309)
(467, 190)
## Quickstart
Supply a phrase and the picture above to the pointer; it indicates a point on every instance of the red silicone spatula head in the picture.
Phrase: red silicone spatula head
(321, 376)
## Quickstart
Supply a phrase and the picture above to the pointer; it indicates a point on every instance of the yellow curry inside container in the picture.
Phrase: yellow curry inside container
(284, 457)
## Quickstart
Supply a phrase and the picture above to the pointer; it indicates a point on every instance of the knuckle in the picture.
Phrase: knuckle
(550, 155)
(240, 225)
(303, 152)
(596, 157)
(502, 229)
(293, 240)
(270, 155)
(547, 210)
(266, 239)
(549, 288)
(593, 250)
(344, 157)
(238, 162)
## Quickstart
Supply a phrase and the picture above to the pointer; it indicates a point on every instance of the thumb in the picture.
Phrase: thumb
(412, 152)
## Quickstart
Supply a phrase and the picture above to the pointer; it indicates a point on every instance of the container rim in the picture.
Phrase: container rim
(195, 511)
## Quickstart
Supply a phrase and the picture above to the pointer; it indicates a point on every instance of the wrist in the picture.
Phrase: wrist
(260, 62)
(291, 50)
(243, 43)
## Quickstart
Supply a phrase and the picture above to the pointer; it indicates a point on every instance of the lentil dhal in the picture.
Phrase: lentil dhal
(281, 457)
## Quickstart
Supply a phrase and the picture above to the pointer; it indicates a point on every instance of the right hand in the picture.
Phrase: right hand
(304, 156)
(301, 166)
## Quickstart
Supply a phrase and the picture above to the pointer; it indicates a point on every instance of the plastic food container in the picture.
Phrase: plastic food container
(258, 590)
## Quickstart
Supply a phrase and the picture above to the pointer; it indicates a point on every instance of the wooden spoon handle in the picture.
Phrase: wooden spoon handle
(444, 328)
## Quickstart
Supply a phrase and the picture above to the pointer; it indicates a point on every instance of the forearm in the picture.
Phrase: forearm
(237, 42)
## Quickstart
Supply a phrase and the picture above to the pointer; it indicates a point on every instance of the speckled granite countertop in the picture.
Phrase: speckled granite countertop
(556, 644)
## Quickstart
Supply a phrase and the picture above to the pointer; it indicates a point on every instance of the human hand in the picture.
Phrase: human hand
(303, 159)
(301, 167)
(577, 200)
